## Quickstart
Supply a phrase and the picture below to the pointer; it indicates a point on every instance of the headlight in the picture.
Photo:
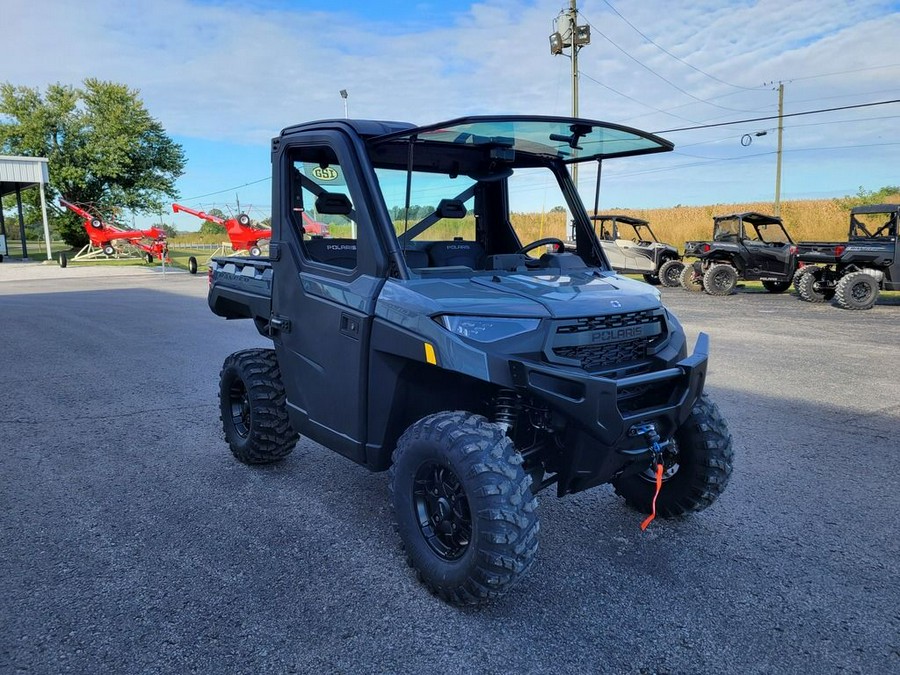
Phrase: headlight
(486, 328)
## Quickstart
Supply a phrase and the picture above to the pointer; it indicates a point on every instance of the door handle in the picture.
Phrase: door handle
(350, 325)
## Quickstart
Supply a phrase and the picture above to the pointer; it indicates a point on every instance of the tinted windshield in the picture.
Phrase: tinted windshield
(567, 139)
(443, 207)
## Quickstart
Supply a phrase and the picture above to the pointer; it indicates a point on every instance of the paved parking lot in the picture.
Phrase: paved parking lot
(132, 542)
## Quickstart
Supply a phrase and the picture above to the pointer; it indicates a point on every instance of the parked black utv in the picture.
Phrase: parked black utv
(442, 333)
(747, 246)
(853, 272)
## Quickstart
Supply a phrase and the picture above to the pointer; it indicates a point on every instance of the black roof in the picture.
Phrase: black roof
(876, 208)
(618, 218)
(751, 217)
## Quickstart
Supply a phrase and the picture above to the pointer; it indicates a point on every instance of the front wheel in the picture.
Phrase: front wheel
(192, 265)
(252, 407)
(695, 475)
(856, 290)
(63, 260)
(670, 273)
(652, 279)
(463, 507)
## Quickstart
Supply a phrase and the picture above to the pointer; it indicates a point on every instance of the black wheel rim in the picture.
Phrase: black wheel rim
(861, 291)
(442, 510)
(239, 403)
(722, 280)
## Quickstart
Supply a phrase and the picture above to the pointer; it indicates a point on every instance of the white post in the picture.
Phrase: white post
(44, 216)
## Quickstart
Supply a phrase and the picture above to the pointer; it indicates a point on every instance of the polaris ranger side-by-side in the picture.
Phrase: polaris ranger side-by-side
(853, 272)
(439, 333)
(748, 246)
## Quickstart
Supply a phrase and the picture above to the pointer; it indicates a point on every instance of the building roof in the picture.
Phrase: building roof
(21, 172)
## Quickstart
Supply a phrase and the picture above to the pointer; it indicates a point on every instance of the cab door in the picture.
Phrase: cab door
(324, 290)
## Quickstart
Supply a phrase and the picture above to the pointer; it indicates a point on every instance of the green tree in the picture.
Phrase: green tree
(170, 230)
(883, 195)
(104, 148)
(209, 227)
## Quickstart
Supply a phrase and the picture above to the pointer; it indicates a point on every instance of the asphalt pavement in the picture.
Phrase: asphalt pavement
(132, 542)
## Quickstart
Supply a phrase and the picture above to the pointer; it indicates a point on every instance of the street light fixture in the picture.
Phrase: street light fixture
(344, 96)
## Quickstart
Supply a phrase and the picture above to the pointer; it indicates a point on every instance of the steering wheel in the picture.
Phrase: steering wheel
(546, 241)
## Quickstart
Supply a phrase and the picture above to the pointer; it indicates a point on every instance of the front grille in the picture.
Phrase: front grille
(601, 357)
(589, 340)
(610, 321)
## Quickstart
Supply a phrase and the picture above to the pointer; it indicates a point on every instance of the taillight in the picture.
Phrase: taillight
(839, 250)
(793, 250)
(705, 248)
(209, 276)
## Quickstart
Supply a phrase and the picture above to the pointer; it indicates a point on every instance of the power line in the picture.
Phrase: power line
(650, 70)
(751, 156)
(646, 105)
(666, 51)
(845, 72)
(775, 117)
(236, 187)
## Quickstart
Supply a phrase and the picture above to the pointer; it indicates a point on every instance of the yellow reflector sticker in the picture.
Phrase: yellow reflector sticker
(429, 354)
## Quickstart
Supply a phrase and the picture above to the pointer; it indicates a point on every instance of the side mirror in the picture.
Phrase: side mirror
(334, 203)
(451, 208)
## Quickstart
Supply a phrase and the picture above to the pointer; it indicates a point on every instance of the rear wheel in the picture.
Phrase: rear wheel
(776, 286)
(856, 290)
(463, 507)
(150, 258)
(798, 275)
(63, 260)
(109, 250)
(192, 265)
(695, 475)
(670, 273)
(651, 279)
(255, 251)
(720, 279)
(244, 219)
(811, 289)
(690, 279)
(252, 407)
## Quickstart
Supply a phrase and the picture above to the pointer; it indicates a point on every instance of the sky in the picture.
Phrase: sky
(225, 77)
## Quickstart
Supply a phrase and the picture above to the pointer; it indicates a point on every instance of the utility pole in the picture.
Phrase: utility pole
(778, 161)
(574, 37)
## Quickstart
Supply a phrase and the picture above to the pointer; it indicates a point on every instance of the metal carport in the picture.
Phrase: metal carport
(17, 174)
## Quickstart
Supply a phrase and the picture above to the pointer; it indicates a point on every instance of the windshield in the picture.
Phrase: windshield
(444, 207)
(567, 139)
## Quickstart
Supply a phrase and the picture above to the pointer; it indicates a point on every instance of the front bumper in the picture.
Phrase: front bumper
(599, 412)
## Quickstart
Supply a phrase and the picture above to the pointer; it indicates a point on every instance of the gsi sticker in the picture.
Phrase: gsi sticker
(324, 173)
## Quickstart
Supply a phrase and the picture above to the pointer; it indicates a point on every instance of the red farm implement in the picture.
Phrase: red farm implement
(109, 242)
(245, 238)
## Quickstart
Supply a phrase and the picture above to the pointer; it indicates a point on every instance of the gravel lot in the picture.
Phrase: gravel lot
(133, 543)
